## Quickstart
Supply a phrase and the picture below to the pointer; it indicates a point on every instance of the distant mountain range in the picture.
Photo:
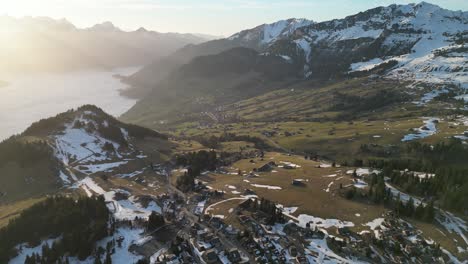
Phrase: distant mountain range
(423, 41)
(45, 44)
(418, 44)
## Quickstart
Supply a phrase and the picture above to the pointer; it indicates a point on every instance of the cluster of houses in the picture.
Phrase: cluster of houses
(265, 245)
(399, 241)
(208, 246)
(210, 240)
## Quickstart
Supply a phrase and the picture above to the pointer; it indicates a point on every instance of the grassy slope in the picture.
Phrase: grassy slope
(312, 199)
(305, 111)
(11, 210)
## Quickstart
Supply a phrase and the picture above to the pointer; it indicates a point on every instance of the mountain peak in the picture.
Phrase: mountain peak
(142, 30)
(268, 33)
(105, 27)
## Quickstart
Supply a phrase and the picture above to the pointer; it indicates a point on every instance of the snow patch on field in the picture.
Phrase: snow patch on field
(363, 171)
(103, 167)
(320, 222)
(290, 164)
(328, 187)
(365, 66)
(453, 224)
(123, 209)
(360, 184)
(76, 144)
(123, 254)
(428, 97)
(28, 251)
(325, 254)
(269, 187)
(64, 178)
(428, 129)
(375, 223)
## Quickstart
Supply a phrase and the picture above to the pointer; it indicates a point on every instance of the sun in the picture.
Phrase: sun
(24, 7)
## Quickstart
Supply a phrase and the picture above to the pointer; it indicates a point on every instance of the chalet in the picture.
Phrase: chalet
(208, 237)
(216, 242)
(186, 257)
(267, 167)
(298, 182)
(234, 255)
(210, 256)
(202, 234)
(293, 251)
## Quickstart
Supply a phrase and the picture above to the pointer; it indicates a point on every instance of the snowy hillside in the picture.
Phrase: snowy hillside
(266, 34)
(428, 42)
(82, 147)
(87, 141)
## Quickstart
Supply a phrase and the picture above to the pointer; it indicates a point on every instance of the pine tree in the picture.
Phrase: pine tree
(108, 259)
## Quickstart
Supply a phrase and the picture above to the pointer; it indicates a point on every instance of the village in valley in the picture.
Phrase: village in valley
(235, 199)
(227, 219)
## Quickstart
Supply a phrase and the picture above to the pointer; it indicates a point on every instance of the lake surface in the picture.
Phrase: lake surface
(30, 97)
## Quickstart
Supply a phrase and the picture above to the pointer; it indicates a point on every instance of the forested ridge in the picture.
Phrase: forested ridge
(445, 167)
(77, 225)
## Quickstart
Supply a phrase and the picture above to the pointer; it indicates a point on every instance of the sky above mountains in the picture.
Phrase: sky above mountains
(215, 17)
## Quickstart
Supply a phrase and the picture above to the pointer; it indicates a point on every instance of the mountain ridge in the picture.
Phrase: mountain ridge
(420, 45)
(56, 152)
(330, 48)
(60, 46)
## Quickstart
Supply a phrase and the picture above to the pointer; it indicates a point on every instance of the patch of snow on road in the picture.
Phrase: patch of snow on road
(130, 175)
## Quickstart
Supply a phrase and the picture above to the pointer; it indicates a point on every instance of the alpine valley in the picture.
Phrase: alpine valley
(343, 141)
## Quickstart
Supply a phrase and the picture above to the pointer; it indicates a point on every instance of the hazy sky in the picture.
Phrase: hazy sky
(216, 17)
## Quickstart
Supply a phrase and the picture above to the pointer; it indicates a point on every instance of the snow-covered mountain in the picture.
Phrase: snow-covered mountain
(64, 149)
(416, 42)
(425, 43)
(266, 34)
(89, 141)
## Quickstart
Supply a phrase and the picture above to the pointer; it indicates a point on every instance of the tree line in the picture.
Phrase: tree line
(214, 142)
(79, 223)
(379, 194)
(196, 163)
(444, 163)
